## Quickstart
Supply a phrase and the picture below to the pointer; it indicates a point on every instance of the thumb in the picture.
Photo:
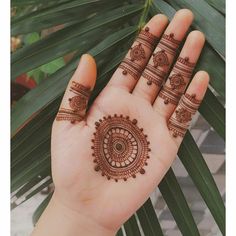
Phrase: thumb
(74, 103)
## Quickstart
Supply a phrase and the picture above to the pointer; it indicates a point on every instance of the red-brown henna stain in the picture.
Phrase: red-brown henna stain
(179, 122)
(120, 148)
(155, 74)
(169, 44)
(182, 71)
(77, 104)
(137, 54)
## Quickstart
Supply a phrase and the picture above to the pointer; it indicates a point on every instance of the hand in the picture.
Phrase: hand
(107, 161)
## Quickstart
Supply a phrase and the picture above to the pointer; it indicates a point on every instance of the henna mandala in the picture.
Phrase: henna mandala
(160, 59)
(137, 53)
(177, 81)
(169, 44)
(77, 104)
(120, 147)
(131, 68)
(179, 122)
(154, 75)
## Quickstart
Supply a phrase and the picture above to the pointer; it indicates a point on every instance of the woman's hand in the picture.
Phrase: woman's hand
(107, 161)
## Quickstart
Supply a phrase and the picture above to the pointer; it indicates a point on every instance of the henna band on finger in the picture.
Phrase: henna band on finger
(154, 75)
(169, 44)
(180, 120)
(182, 72)
(120, 148)
(134, 65)
(77, 104)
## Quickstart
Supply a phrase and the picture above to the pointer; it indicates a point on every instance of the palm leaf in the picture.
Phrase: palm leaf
(197, 168)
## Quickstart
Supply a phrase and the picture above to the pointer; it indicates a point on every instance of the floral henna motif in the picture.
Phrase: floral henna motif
(168, 45)
(120, 148)
(182, 71)
(137, 54)
(77, 104)
(160, 59)
(177, 81)
(179, 122)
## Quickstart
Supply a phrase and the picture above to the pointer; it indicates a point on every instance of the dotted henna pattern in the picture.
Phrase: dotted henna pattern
(177, 81)
(137, 53)
(77, 104)
(160, 59)
(182, 71)
(180, 120)
(120, 148)
(133, 65)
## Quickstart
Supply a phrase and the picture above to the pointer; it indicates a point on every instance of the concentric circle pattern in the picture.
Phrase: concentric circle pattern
(78, 102)
(120, 147)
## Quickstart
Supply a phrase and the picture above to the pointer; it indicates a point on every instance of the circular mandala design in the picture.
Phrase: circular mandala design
(78, 103)
(177, 81)
(137, 53)
(160, 59)
(120, 148)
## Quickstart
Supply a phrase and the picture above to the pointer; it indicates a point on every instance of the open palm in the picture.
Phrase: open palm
(134, 101)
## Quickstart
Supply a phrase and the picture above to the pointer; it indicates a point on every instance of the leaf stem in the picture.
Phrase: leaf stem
(144, 15)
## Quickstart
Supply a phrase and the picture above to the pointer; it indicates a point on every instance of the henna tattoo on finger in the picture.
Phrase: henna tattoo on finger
(120, 148)
(77, 104)
(148, 39)
(169, 44)
(154, 75)
(179, 121)
(181, 74)
(131, 68)
(134, 65)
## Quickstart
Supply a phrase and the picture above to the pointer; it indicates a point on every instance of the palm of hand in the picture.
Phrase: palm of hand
(77, 185)
(74, 173)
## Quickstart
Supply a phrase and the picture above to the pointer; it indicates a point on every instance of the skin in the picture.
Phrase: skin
(84, 202)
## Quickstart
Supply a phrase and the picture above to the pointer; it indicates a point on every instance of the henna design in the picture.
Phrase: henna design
(169, 95)
(120, 147)
(181, 70)
(147, 39)
(169, 44)
(177, 81)
(77, 104)
(131, 68)
(137, 53)
(184, 67)
(160, 59)
(179, 122)
(154, 75)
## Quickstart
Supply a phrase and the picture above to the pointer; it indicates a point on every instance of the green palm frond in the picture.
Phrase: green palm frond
(103, 28)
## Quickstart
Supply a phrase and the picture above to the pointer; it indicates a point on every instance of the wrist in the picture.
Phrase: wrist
(60, 220)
